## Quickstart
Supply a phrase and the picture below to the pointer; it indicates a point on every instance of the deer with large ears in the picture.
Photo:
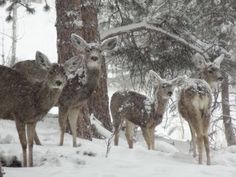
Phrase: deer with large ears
(28, 102)
(195, 100)
(79, 89)
(36, 71)
(137, 109)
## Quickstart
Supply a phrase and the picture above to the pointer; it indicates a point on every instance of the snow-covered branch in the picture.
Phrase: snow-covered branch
(145, 26)
(99, 127)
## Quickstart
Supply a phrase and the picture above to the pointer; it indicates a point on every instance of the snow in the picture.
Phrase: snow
(148, 105)
(197, 85)
(88, 160)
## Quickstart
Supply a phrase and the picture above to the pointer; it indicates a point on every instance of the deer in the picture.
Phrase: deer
(36, 71)
(195, 99)
(28, 102)
(78, 89)
(134, 108)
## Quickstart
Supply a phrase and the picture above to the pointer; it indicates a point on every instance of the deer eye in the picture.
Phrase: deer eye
(164, 86)
(87, 49)
(210, 71)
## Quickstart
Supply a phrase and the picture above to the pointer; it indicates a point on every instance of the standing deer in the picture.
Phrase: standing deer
(36, 71)
(80, 88)
(137, 109)
(195, 102)
(28, 102)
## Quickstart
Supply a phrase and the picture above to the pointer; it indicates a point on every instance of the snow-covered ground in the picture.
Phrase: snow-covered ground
(88, 160)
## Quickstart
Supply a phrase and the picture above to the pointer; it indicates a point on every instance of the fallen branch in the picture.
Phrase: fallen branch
(102, 131)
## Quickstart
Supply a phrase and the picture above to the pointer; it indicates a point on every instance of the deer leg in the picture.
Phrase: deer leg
(73, 117)
(152, 137)
(200, 148)
(146, 137)
(62, 123)
(129, 133)
(36, 139)
(206, 143)
(116, 133)
(30, 135)
(206, 138)
(193, 141)
(20, 126)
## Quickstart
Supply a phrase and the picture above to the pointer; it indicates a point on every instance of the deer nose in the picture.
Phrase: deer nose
(58, 82)
(94, 58)
(169, 93)
(220, 78)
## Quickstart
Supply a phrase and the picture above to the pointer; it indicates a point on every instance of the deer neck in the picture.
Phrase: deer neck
(46, 98)
(92, 80)
(160, 106)
(210, 83)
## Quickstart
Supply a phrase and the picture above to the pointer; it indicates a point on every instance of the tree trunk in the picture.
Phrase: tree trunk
(68, 22)
(14, 35)
(98, 102)
(229, 131)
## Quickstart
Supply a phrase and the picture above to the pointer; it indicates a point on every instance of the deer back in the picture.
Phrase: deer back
(16, 94)
(132, 106)
(31, 70)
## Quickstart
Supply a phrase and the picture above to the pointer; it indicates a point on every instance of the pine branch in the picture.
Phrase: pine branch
(2, 2)
(14, 3)
(9, 18)
(46, 7)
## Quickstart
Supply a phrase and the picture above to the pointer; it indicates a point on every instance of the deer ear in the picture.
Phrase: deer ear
(218, 60)
(109, 44)
(180, 80)
(78, 42)
(199, 61)
(153, 77)
(42, 60)
(72, 65)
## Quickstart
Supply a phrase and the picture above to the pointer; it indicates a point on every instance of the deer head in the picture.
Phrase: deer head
(93, 51)
(164, 87)
(56, 74)
(209, 71)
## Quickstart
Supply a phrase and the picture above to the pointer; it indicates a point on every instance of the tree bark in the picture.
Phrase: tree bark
(68, 22)
(229, 131)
